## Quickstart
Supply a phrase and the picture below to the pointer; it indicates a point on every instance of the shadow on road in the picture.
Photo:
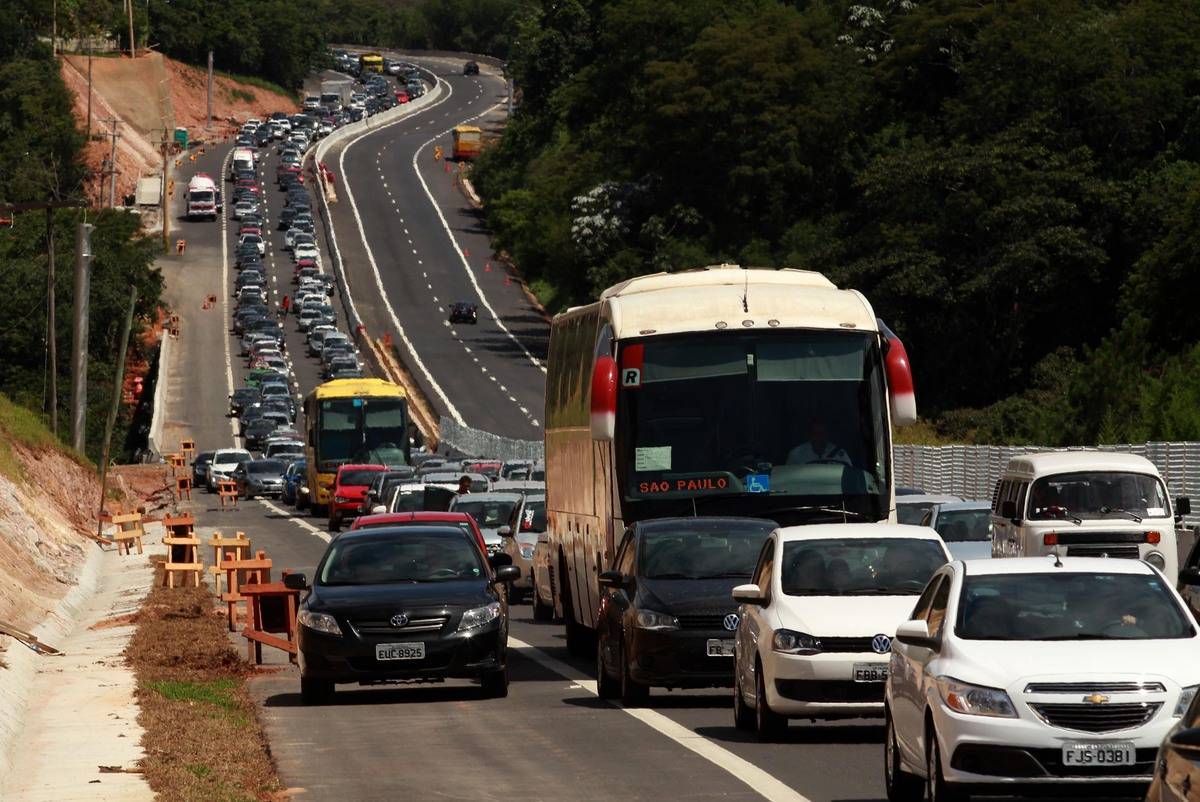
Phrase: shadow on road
(799, 734)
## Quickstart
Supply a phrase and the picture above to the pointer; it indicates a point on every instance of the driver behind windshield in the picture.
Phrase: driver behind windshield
(818, 448)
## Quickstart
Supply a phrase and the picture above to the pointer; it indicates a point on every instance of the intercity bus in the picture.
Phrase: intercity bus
(719, 391)
(468, 142)
(370, 62)
(352, 420)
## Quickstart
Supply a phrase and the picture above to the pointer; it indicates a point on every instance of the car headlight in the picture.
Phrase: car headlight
(1157, 560)
(791, 642)
(479, 616)
(340, 499)
(652, 619)
(527, 552)
(975, 700)
(1185, 700)
(320, 622)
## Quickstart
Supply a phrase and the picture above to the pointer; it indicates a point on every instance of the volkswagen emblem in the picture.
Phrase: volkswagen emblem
(399, 620)
(1096, 699)
(881, 644)
(731, 622)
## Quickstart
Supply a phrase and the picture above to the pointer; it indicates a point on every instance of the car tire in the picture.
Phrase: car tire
(542, 612)
(495, 684)
(901, 786)
(743, 715)
(633, 693)
(607, 686)
(769, 725)
(316, 691)
(936, 787)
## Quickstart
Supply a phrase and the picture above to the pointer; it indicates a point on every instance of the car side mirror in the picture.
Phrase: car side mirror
(505, 531)
(295, 582)
(612, 579)
(916, 633)
(507, 573)
(748, 594)
(1183, 506)
(378, 509)
(1187, 739)
(1189, 576)
(500, 560)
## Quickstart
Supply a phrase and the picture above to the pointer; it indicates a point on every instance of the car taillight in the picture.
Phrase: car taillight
(1050, 539)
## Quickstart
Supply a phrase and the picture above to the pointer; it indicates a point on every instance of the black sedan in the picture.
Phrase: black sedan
(463, 312)
(666, 614)
(471, 68)
(260, 477)
(200, 468)
(415, 603)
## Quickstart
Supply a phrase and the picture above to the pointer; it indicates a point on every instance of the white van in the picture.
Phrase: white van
(1085, 504)
(243, 160)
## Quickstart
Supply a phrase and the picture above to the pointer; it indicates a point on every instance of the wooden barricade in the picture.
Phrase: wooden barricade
(183, 487)
(188, 447)
(225, 549)
(239, 574)
(228, 493)
(128, 532)
(177, 463)
(271, 610)
(183, 551)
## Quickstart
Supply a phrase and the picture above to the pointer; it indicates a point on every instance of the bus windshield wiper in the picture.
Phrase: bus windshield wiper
(1119, 511)
(862, 516)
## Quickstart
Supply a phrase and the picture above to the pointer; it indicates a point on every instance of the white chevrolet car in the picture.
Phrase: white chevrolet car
(1037, 671)
(224, 461)
(815, 628)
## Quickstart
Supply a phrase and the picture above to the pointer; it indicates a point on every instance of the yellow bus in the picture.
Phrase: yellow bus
(352, 420)
(468, 141)
(370, 62)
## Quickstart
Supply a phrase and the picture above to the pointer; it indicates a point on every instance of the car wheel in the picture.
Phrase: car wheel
(542, 612)
(901, 786)
(495, 684)
(767, 723)
(633, 693)
(316, 691)
(936, 787)
(743, 715)
(606, 686)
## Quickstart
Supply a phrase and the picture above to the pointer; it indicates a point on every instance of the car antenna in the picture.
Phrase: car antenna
(694, 513)
(1057, 559)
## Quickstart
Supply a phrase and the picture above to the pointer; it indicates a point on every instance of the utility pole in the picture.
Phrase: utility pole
(112, 165)
(208, 118)
(132, 46)
(79, 343)
(118, 382)
(54, 27)
(89, 133)
(51, 332)
(166, 205)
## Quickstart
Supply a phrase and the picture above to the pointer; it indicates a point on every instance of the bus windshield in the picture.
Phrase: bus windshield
(799, 414)
(352, 428)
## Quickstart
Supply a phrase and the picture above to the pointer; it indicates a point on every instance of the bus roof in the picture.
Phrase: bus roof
(712, 298)
(467, 129)
(358, 388)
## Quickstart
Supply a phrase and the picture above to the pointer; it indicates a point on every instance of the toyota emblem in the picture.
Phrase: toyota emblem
(881, 644)
(731, 621)
(399, 620)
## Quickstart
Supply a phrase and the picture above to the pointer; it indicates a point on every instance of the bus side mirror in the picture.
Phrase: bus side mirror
(901, 396)
(604, 398)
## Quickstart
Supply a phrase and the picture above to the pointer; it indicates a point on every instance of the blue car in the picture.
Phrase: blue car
(294, 479)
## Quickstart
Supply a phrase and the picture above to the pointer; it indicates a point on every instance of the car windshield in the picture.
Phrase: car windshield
(267, 466)
(1091, 495)
(488, 514)
(701, 550)
(1069, 606)
(957, 526)
(357, 477)
(859, 566)
(912, 513)
(410, 557)
(226, 457)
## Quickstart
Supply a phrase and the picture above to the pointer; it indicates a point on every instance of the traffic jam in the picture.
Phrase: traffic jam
(715, 508)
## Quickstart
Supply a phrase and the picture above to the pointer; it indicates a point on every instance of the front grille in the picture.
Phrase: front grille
(1095, 687)
(845, 644)
(1010, 761)
(1097, 718)
(384, 626)
(1101, 550)
(804, 690)
(716, 621)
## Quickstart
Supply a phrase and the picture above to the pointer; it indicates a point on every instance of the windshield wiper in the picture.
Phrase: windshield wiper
(880, 592)
(862, 516)
(1080, 636)
(1119, 511)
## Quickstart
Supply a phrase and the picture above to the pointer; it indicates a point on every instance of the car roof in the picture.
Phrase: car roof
(381, 532)
(1049, 462)
(487, 497)
(856, 531)
(366, 466)
(1047, 565)
(951, 506)
(427, 516)
(926, 498)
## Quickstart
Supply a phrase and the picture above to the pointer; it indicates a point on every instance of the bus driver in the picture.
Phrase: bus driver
(818, 448)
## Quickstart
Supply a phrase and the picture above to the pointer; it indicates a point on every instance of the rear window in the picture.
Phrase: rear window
(488, 514)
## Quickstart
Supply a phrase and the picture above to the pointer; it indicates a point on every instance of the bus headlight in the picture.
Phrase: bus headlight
(1157, 560)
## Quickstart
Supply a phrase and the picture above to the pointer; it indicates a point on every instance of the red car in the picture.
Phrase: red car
(348, 490)
(401, 96)
(418, 518)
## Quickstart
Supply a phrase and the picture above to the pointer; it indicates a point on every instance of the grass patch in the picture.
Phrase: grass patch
(260, 83)
(22, 425)
(548, 296)
(202, 736)
(921, 433)
(240, 95)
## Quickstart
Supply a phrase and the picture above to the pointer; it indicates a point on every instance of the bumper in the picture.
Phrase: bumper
(265, 490)
(352, 659)
(679, 659)
(822, 685)
(984, 751)
(345, 509)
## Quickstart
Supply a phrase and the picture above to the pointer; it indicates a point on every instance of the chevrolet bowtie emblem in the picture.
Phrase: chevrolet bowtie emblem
(1096, 699)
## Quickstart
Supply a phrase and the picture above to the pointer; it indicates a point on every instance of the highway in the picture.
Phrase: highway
(410, 231)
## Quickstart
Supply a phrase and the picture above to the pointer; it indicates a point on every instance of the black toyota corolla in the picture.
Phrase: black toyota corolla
(410, 603)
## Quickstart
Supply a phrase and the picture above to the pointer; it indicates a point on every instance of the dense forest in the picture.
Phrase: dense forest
(40, 150)
(1015, 185)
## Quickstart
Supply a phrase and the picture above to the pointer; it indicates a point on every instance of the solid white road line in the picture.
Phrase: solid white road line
(225, 317)
(759, 781)
(296, 519)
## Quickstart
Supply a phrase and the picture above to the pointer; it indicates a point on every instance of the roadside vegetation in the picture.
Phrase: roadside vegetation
(201, 729)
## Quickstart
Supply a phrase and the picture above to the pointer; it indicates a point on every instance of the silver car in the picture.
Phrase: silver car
(520, 535)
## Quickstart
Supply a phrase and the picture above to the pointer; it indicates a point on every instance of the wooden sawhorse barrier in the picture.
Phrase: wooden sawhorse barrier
(226, 549)
(240, 574)
(227, 492)
(271, 610)
(183, 552)
(128, 532)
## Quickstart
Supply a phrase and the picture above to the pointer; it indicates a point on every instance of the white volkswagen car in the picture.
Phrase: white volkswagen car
(223, 463)
(815, 626)
(1036, 671)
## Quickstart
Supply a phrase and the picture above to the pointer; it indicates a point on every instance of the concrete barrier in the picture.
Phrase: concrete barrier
(161, 388)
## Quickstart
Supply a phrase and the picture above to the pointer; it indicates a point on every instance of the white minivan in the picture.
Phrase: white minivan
(1086, 504)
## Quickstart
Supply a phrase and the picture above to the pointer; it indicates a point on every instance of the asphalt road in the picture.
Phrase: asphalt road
(552, 738)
